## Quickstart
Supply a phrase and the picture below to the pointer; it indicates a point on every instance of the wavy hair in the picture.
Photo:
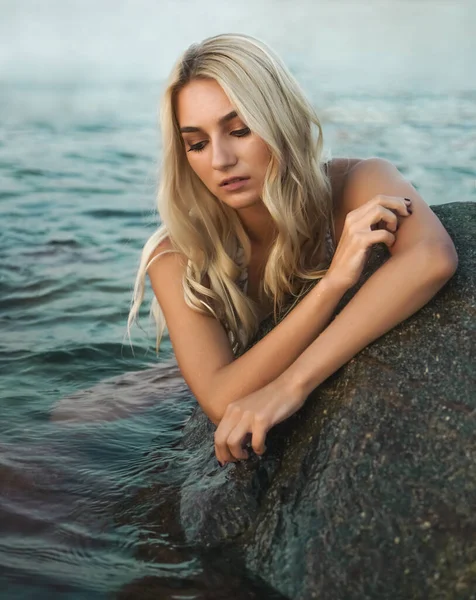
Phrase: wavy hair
(207, 232)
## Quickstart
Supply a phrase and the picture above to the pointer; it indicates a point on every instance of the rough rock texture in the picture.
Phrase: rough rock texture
(370, 490)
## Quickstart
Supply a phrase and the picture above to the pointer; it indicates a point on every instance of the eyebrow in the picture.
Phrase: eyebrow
(231, 115)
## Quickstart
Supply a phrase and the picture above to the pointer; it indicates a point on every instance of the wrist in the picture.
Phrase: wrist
(333, 284)
(293, 386)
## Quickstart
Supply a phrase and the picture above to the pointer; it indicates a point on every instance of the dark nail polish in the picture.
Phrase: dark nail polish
(409, 210)
(407, 199)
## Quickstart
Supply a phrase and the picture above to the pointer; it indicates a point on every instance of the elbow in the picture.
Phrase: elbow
(441, 260)
(447, 262)
(216, 408)
(214, 416)
(212, 408)
(214, 395)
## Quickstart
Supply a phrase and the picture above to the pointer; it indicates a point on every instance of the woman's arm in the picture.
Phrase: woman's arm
(201, 345)
(203, 350)
(423, 259)
(400, 287)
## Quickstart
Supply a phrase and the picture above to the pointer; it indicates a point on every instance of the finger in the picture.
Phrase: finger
(231, 417)
(259, 437)
(381, 215)
(358, 219)
(237, 437)
(380, 225)
(223, 453)
(381, 236)
(396, 203)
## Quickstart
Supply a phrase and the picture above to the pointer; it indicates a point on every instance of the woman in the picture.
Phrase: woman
(249, 216)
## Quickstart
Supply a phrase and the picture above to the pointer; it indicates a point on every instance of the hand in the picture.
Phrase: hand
(255, 414)
(374, 222)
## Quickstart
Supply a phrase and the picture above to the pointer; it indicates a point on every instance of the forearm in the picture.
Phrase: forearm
(399, 288)
(273, 354)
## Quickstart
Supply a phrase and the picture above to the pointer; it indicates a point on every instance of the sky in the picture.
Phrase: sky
(348, 44)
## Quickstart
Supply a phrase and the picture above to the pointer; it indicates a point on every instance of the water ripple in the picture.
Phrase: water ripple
(90, 457)
(105, 213)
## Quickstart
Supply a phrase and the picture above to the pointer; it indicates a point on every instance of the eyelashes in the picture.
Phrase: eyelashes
(237, 133)
(241, 132)
(197, 147)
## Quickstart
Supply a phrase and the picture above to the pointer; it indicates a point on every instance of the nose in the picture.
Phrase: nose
(223, 155)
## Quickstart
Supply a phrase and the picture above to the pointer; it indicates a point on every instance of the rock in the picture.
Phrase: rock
(368, 491)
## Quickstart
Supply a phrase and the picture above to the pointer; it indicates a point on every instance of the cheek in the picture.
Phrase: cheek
(198, 166)
(261, 156)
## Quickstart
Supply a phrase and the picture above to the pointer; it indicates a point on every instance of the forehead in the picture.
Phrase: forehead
(201, 102)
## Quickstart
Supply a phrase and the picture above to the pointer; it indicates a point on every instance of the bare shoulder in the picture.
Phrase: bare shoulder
(374, 177)
(364, 179)
(162, 249)
(164, 260)
(358, 180)
(165, 268)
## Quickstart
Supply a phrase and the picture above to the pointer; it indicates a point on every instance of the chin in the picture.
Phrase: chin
(240, 201)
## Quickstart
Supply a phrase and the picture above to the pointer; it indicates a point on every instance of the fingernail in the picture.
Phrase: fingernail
(409, 210)
(407, 200)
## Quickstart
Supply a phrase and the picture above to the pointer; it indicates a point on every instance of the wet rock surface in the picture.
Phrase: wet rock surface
(369, 491)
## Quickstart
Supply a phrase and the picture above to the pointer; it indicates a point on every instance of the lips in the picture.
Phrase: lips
(225, 182)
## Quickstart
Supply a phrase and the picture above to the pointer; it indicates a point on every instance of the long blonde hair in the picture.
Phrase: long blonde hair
(209, 233)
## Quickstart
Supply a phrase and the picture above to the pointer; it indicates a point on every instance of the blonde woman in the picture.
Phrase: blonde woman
(250, 215)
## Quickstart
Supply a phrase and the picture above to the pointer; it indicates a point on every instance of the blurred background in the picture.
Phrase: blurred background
(80, 84)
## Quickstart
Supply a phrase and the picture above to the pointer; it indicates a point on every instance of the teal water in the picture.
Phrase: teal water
(89, 435)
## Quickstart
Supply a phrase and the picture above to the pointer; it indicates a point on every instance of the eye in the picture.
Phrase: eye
(197, 147)
(241, 132)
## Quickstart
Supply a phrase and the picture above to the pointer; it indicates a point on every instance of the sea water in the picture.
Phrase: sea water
(90, 425)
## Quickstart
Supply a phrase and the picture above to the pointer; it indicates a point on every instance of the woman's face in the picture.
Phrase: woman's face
(220, 146)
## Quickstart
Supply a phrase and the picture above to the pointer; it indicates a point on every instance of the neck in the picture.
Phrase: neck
(258, 225)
